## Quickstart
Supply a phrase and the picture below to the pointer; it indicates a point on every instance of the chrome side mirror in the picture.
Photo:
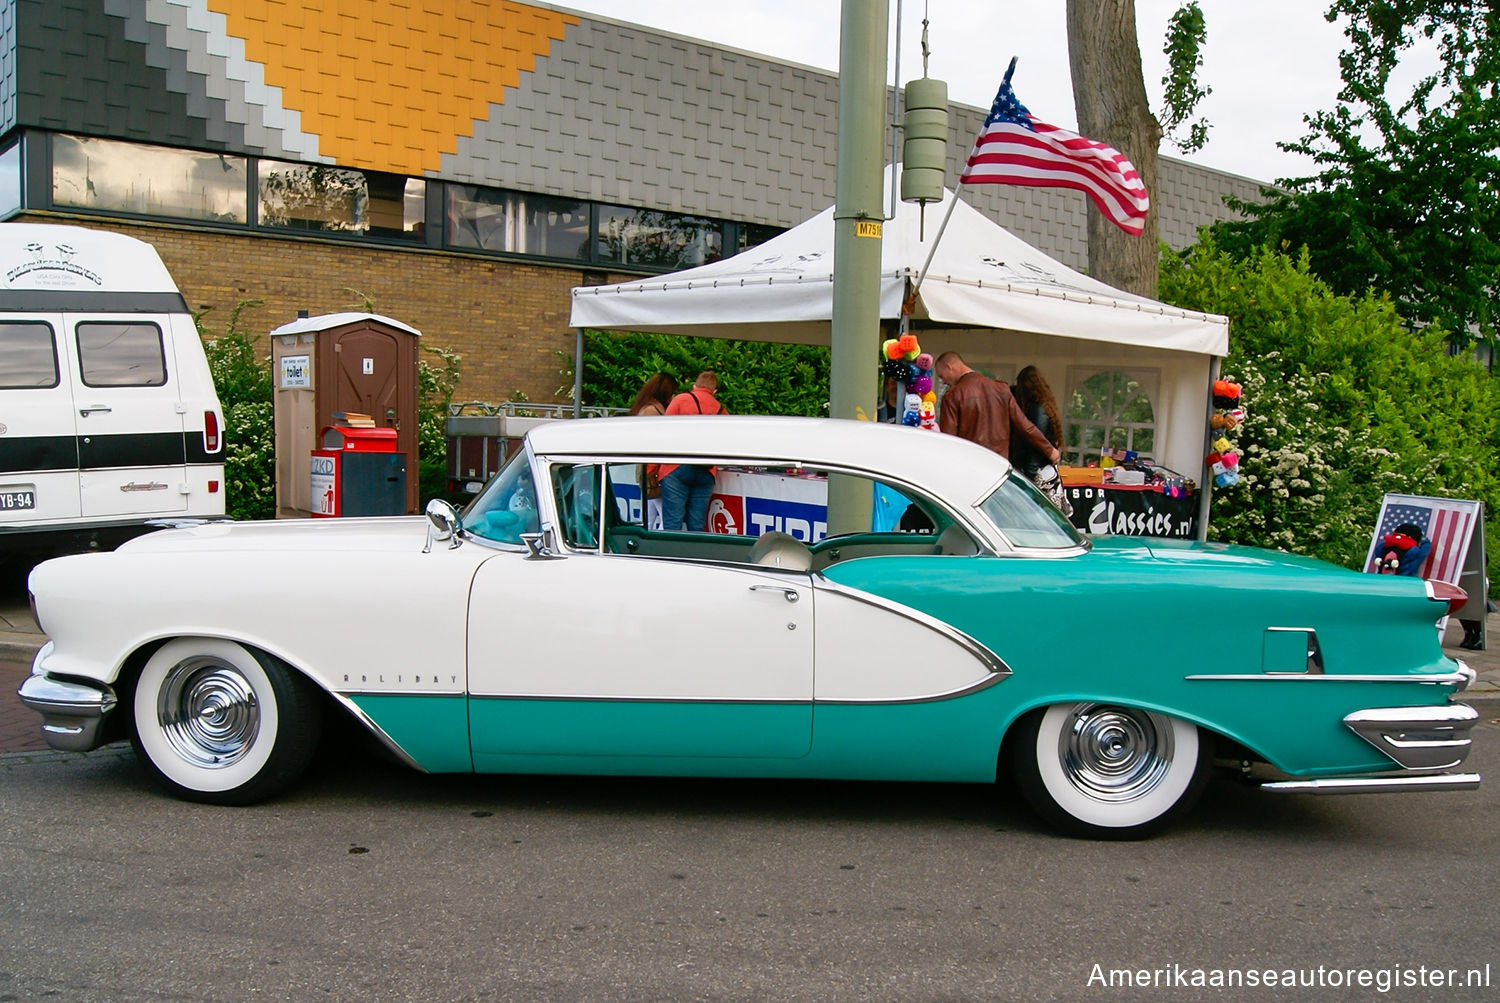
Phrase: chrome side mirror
(442, 524)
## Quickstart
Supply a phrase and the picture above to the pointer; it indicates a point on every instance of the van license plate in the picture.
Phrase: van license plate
(17, 500)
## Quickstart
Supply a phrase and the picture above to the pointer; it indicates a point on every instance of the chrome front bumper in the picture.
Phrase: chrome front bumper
(72, 713)
(1423, 741)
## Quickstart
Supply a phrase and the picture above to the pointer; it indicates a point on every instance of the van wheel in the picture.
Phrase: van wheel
(1107, 771)
(218, 723)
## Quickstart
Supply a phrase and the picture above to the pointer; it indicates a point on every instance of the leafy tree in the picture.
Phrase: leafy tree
(1407, 198)
(242, 377)
(1109, 93)
(754, 377)
(1334, 423)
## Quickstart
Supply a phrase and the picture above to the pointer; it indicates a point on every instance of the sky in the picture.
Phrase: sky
(1269, 62)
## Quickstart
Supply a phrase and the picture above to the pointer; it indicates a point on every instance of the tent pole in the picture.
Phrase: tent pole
(1206, 483)
(928, 263)
(577, 372)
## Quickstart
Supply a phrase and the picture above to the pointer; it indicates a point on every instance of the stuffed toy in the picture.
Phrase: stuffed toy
(921, 385)
(929, 414)
(909, 347)
(1226, 394)
(1222, 445)
(913, 413)
(892, 349)
(1403, 551)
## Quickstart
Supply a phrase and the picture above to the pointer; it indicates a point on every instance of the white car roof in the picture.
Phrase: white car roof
(950, 467)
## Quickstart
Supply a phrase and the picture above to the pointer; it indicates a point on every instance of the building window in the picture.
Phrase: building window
(488, 219)
(10, 180)
(1109, 408)
(28, 356)
(147, 180)
(338, 200)
(752, 234)
(121, 355)
(656, 239)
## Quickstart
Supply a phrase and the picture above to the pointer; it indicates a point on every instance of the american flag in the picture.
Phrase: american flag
(1446, 523)
(1015, 148)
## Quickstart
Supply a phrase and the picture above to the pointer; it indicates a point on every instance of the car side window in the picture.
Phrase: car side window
(578, 489)
(28, 356)
(121, 355)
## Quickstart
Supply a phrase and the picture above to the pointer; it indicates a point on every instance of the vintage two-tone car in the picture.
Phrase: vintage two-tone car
(550, 629)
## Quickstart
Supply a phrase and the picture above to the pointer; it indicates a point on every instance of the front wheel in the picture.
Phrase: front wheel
(1107, 771)
(218, 723)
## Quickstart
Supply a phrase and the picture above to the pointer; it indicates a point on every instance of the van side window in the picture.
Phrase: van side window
(121, 355)
(28, 356)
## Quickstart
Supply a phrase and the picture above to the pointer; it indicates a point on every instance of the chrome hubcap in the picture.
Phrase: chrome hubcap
(1115, 753)
(208, 712)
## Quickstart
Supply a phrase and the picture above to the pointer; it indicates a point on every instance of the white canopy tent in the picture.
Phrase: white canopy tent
(1000, 302)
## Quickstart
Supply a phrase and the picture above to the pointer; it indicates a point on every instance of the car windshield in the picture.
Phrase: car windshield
(1027, 518)
(506, 507)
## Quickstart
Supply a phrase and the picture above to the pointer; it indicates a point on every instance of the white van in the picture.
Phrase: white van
(108, 415)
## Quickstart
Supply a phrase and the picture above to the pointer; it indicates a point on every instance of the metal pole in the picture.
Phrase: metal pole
(577, 372)
(858, 215)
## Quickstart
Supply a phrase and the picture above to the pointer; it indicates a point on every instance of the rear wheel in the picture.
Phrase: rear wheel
(218, 723)
(1107, 771)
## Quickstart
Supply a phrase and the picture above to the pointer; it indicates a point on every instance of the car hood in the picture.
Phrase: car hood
(401, 533)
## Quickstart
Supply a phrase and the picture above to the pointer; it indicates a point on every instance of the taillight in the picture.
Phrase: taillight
(210, 432)
(1455, 597)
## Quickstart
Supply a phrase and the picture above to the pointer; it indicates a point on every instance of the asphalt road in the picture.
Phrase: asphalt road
(368, 882)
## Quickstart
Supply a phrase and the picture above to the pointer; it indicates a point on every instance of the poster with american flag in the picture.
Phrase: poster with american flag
(1448, 522)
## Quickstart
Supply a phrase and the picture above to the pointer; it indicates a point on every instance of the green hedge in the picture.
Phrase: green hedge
(1345, 404)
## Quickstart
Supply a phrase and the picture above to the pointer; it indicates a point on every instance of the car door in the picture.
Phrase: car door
(131, 455)
(38, 450)
(621, 656)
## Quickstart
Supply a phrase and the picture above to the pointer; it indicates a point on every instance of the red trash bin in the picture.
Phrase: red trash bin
(358, 472)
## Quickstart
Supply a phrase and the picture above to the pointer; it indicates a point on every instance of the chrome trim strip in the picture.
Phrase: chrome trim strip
(1418, 738)
(72, 713)
(375, 729)
(641, 699)
(983, 684)
(991, 660)
(1377, 785)
(1447, 679)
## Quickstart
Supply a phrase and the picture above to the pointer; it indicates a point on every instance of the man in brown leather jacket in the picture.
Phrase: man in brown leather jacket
(982, 410)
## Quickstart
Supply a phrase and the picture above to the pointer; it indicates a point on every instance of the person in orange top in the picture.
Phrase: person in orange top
(686, 489)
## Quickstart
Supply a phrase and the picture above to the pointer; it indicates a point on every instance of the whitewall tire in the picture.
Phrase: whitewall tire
(1109, 771)
(216, 722)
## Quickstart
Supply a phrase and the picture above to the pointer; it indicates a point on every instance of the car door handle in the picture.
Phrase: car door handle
(791, 594)
(84, 412)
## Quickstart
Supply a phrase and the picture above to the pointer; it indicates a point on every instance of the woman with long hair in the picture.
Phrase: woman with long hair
(1034, 395)
(654, 396)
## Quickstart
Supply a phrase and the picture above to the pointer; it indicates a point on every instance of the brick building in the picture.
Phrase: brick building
(460, 165)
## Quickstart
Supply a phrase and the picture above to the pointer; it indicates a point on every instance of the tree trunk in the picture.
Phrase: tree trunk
(1109, 93)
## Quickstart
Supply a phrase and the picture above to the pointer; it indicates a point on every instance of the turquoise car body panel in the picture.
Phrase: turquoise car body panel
(1127, 622)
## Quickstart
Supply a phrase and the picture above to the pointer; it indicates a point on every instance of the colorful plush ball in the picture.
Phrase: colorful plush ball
(897, 369)
(921, 385)
(909, 346)
(892, 348)
(1237, 415)
(1222, 445)
(924, 360)
(1231, 460)
(930, 397)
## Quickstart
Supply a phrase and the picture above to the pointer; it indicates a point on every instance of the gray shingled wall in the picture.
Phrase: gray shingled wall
(614, 112)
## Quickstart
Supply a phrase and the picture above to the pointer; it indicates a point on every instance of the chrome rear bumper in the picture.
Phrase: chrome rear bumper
(1421, 740)
(72, 713)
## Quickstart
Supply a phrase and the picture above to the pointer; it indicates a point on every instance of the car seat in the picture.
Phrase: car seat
(781, 550)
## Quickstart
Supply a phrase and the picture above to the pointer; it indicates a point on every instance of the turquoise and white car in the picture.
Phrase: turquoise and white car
(548, 629)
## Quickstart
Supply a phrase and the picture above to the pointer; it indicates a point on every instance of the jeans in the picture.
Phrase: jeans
(684, 497)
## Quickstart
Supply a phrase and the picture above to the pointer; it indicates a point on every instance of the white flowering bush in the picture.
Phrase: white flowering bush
(1344, 404)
